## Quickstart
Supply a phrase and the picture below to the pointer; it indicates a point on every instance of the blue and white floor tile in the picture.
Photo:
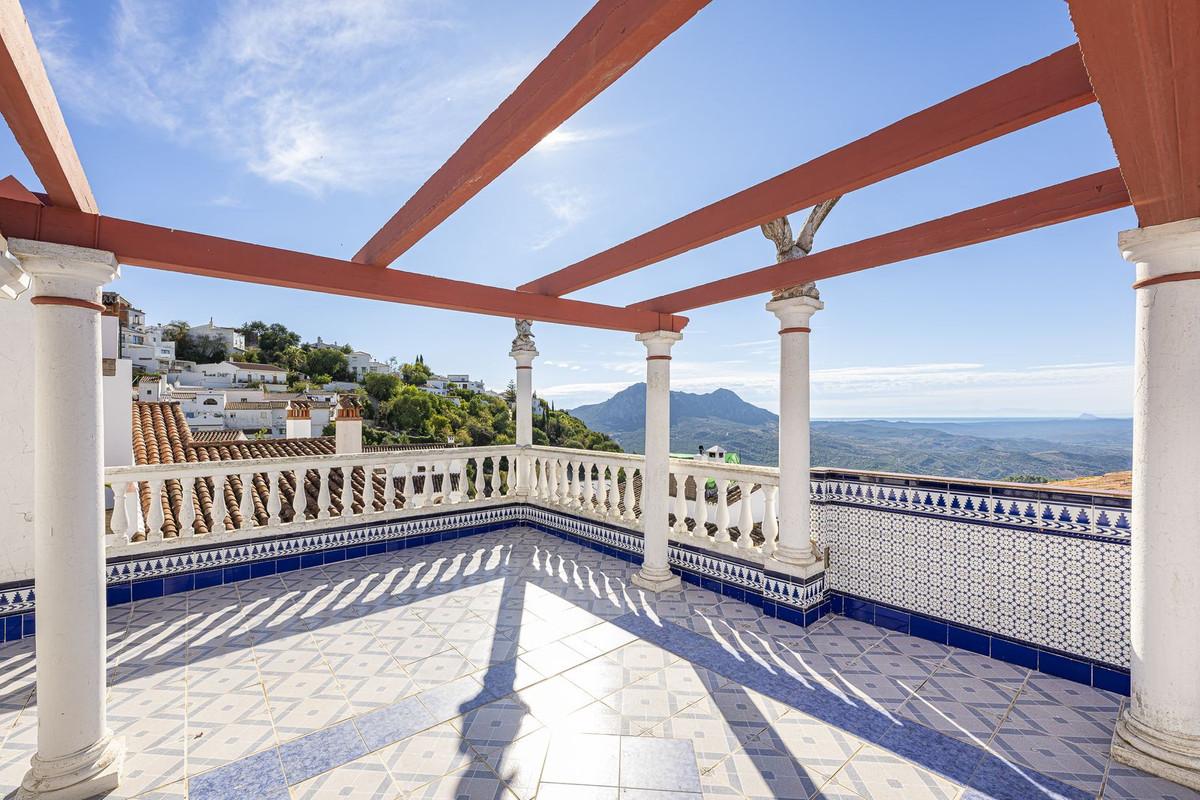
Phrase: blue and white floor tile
(515, 664)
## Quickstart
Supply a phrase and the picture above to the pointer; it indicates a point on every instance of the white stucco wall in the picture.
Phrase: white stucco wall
(16, 440)
(118, 415)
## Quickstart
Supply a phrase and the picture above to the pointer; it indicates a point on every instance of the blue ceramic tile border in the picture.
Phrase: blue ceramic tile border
(19, 625)
(993, 645)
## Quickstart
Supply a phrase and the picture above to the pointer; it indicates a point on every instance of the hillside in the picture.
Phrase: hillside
(1054, 449)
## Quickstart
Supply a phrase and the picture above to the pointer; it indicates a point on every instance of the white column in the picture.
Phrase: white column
(524, 352)
(794, 549)
(77, 756)
(1159, 731)
(655, 573)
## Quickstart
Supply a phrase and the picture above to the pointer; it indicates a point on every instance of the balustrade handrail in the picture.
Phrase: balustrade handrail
(197, 469)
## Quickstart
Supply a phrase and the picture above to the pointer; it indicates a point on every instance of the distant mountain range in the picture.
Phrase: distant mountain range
(1054, 449)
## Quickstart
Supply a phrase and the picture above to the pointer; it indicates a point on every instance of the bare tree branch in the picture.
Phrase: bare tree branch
(779, 231)
(815, 218)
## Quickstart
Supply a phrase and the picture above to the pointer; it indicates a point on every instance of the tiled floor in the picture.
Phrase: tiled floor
(516, 664)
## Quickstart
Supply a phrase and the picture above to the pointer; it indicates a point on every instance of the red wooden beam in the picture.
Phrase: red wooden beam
(1144, 62)
(606, 43)
(144, 245)
(1092, 194)
(1038, 91)
(29, 106)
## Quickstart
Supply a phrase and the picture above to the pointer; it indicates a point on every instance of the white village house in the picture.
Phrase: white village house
(234, 340)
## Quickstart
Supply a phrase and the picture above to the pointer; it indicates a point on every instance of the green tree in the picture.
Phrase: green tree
(201, 349)
(381, 386)
(327, 361)
(408, 411)
(252, 330)
(274, 341)
(415, 374)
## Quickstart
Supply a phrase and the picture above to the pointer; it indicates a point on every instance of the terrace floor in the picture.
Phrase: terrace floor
(519, 664)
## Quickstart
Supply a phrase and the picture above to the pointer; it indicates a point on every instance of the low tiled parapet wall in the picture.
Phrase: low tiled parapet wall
(1044, 573)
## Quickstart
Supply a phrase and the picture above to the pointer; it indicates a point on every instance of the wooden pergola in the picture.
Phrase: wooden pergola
(1139, 60)
(1134, 58)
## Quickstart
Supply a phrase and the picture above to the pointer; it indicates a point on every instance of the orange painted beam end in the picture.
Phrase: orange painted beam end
(1143, 59)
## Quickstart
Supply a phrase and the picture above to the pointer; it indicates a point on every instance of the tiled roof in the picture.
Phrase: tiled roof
(1112, 481)
(208, 437)
(161, 436)
(257, 367)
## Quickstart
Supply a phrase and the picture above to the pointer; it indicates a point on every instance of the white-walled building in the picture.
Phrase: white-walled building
(232, 374)
(125, 334)
(230, 337)
(362, 364)
(463, 381)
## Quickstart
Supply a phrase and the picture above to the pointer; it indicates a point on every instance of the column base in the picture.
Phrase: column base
(656, 581)
(96, 770)
(1176, 758)
(803, 563)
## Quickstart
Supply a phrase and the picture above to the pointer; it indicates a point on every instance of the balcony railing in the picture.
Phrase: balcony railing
(244, 497)
(711, 504)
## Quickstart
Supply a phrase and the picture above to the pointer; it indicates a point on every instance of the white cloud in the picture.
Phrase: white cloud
(303, 92)
(567, 205)
(563, 137)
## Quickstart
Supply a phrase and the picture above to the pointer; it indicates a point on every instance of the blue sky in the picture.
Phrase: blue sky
(302, 124)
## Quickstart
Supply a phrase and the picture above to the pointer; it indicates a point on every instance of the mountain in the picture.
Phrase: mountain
(719, 417)
(1054, 449)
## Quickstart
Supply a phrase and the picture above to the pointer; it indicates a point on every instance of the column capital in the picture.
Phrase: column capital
(524, 351)
(524, 358)
(794, 312)
(658, 343)
(65, 271)
(1163, 253)
(13, 278)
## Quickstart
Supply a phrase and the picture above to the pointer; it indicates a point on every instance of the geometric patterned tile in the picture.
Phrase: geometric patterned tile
(1127, 783)
(760, 772)
(958, 705)
(474, 782)
(1056, 758)
(230, 672)
(365, 778)
(816, 745)
(1036, 714)
(425, 756)
(876, 773)
(990, 669)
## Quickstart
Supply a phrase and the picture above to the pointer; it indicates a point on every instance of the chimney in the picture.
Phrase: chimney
(347, 426)
(150, 388)
(299, 420)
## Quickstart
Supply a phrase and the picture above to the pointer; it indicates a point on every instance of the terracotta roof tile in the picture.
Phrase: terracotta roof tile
(161, 436)
(257, 367)
(224, 435)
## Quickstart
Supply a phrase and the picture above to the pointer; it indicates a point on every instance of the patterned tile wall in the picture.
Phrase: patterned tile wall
(1054, 574)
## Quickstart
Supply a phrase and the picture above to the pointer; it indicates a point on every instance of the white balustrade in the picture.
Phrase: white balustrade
(156, 503)
(730, 507)
(752, 511)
